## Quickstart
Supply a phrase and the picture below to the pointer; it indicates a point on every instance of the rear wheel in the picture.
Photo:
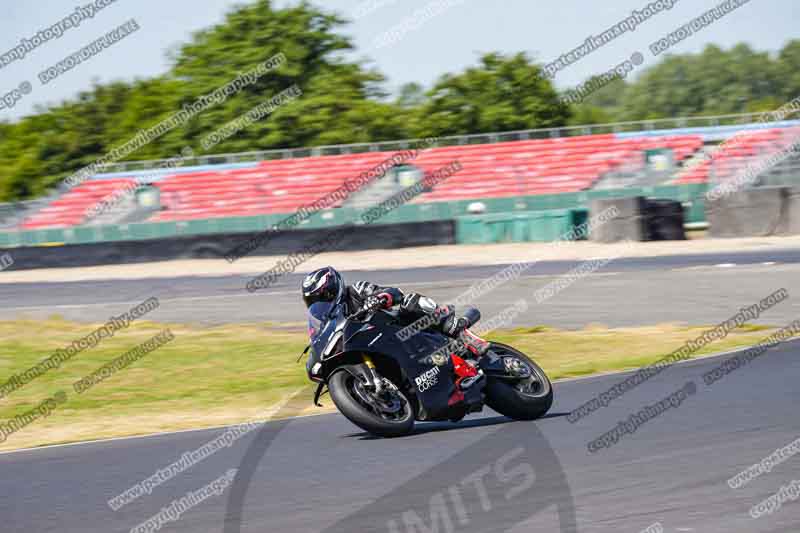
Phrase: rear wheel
(387, 413)
(525, 392)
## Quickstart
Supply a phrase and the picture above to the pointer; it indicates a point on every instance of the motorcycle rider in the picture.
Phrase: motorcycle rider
(324, 284)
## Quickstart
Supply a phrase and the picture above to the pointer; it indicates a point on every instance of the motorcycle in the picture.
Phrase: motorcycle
(383, 385)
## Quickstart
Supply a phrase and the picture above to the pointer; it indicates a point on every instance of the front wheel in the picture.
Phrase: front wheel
(524, 392)
(385, 414)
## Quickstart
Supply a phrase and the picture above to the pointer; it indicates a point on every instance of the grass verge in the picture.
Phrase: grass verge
(223, 375)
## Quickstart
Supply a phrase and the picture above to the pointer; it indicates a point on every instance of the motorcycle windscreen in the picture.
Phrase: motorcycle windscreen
(317, 316)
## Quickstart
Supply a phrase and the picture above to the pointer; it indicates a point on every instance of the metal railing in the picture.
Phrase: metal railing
(476, 138)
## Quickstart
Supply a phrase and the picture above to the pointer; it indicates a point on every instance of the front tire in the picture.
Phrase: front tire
(353, 402)
(520, 401)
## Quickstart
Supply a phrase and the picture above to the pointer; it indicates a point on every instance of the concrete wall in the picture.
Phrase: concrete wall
(755, 213)
(216, 246)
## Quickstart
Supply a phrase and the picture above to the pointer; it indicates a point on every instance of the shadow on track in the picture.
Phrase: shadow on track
(422, 428)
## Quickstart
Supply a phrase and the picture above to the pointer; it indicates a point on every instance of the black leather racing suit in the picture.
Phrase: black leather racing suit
(412, 305)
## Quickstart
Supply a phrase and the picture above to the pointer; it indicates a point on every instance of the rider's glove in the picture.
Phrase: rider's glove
(379, 301)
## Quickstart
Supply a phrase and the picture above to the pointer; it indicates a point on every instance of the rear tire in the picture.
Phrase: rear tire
(505, 398)
(341, 385)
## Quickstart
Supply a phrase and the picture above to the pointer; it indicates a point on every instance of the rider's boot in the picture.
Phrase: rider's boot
(457, 329)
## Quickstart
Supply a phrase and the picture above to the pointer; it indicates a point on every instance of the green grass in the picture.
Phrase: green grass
(210, 376)
(595, 350)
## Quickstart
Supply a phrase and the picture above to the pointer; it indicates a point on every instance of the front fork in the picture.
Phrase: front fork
(365, 372)
(376, 380)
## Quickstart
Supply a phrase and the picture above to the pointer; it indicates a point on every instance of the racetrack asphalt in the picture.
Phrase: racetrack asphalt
(320, 473)
(694, 289)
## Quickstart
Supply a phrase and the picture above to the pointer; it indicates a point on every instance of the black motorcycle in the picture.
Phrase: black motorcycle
(383, 384)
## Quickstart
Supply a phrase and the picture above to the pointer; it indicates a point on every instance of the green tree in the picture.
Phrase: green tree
(713, 82)
(341, 102)
(411, 95)
(501, 94)
(344, 101)
(788, 70)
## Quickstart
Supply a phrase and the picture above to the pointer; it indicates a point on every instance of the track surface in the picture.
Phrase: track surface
(626, 292)
(322, 474)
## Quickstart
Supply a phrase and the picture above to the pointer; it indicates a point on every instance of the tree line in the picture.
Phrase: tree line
(344, 101)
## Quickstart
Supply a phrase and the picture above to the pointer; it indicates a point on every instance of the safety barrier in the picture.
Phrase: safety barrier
(755, 213)
(216, 246)
(525, 226)
(637, 218)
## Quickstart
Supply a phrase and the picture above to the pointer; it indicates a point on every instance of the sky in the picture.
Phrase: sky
(432, 37)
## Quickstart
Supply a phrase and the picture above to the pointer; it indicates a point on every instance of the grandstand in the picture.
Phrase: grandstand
(490, 170)
(727, 160)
